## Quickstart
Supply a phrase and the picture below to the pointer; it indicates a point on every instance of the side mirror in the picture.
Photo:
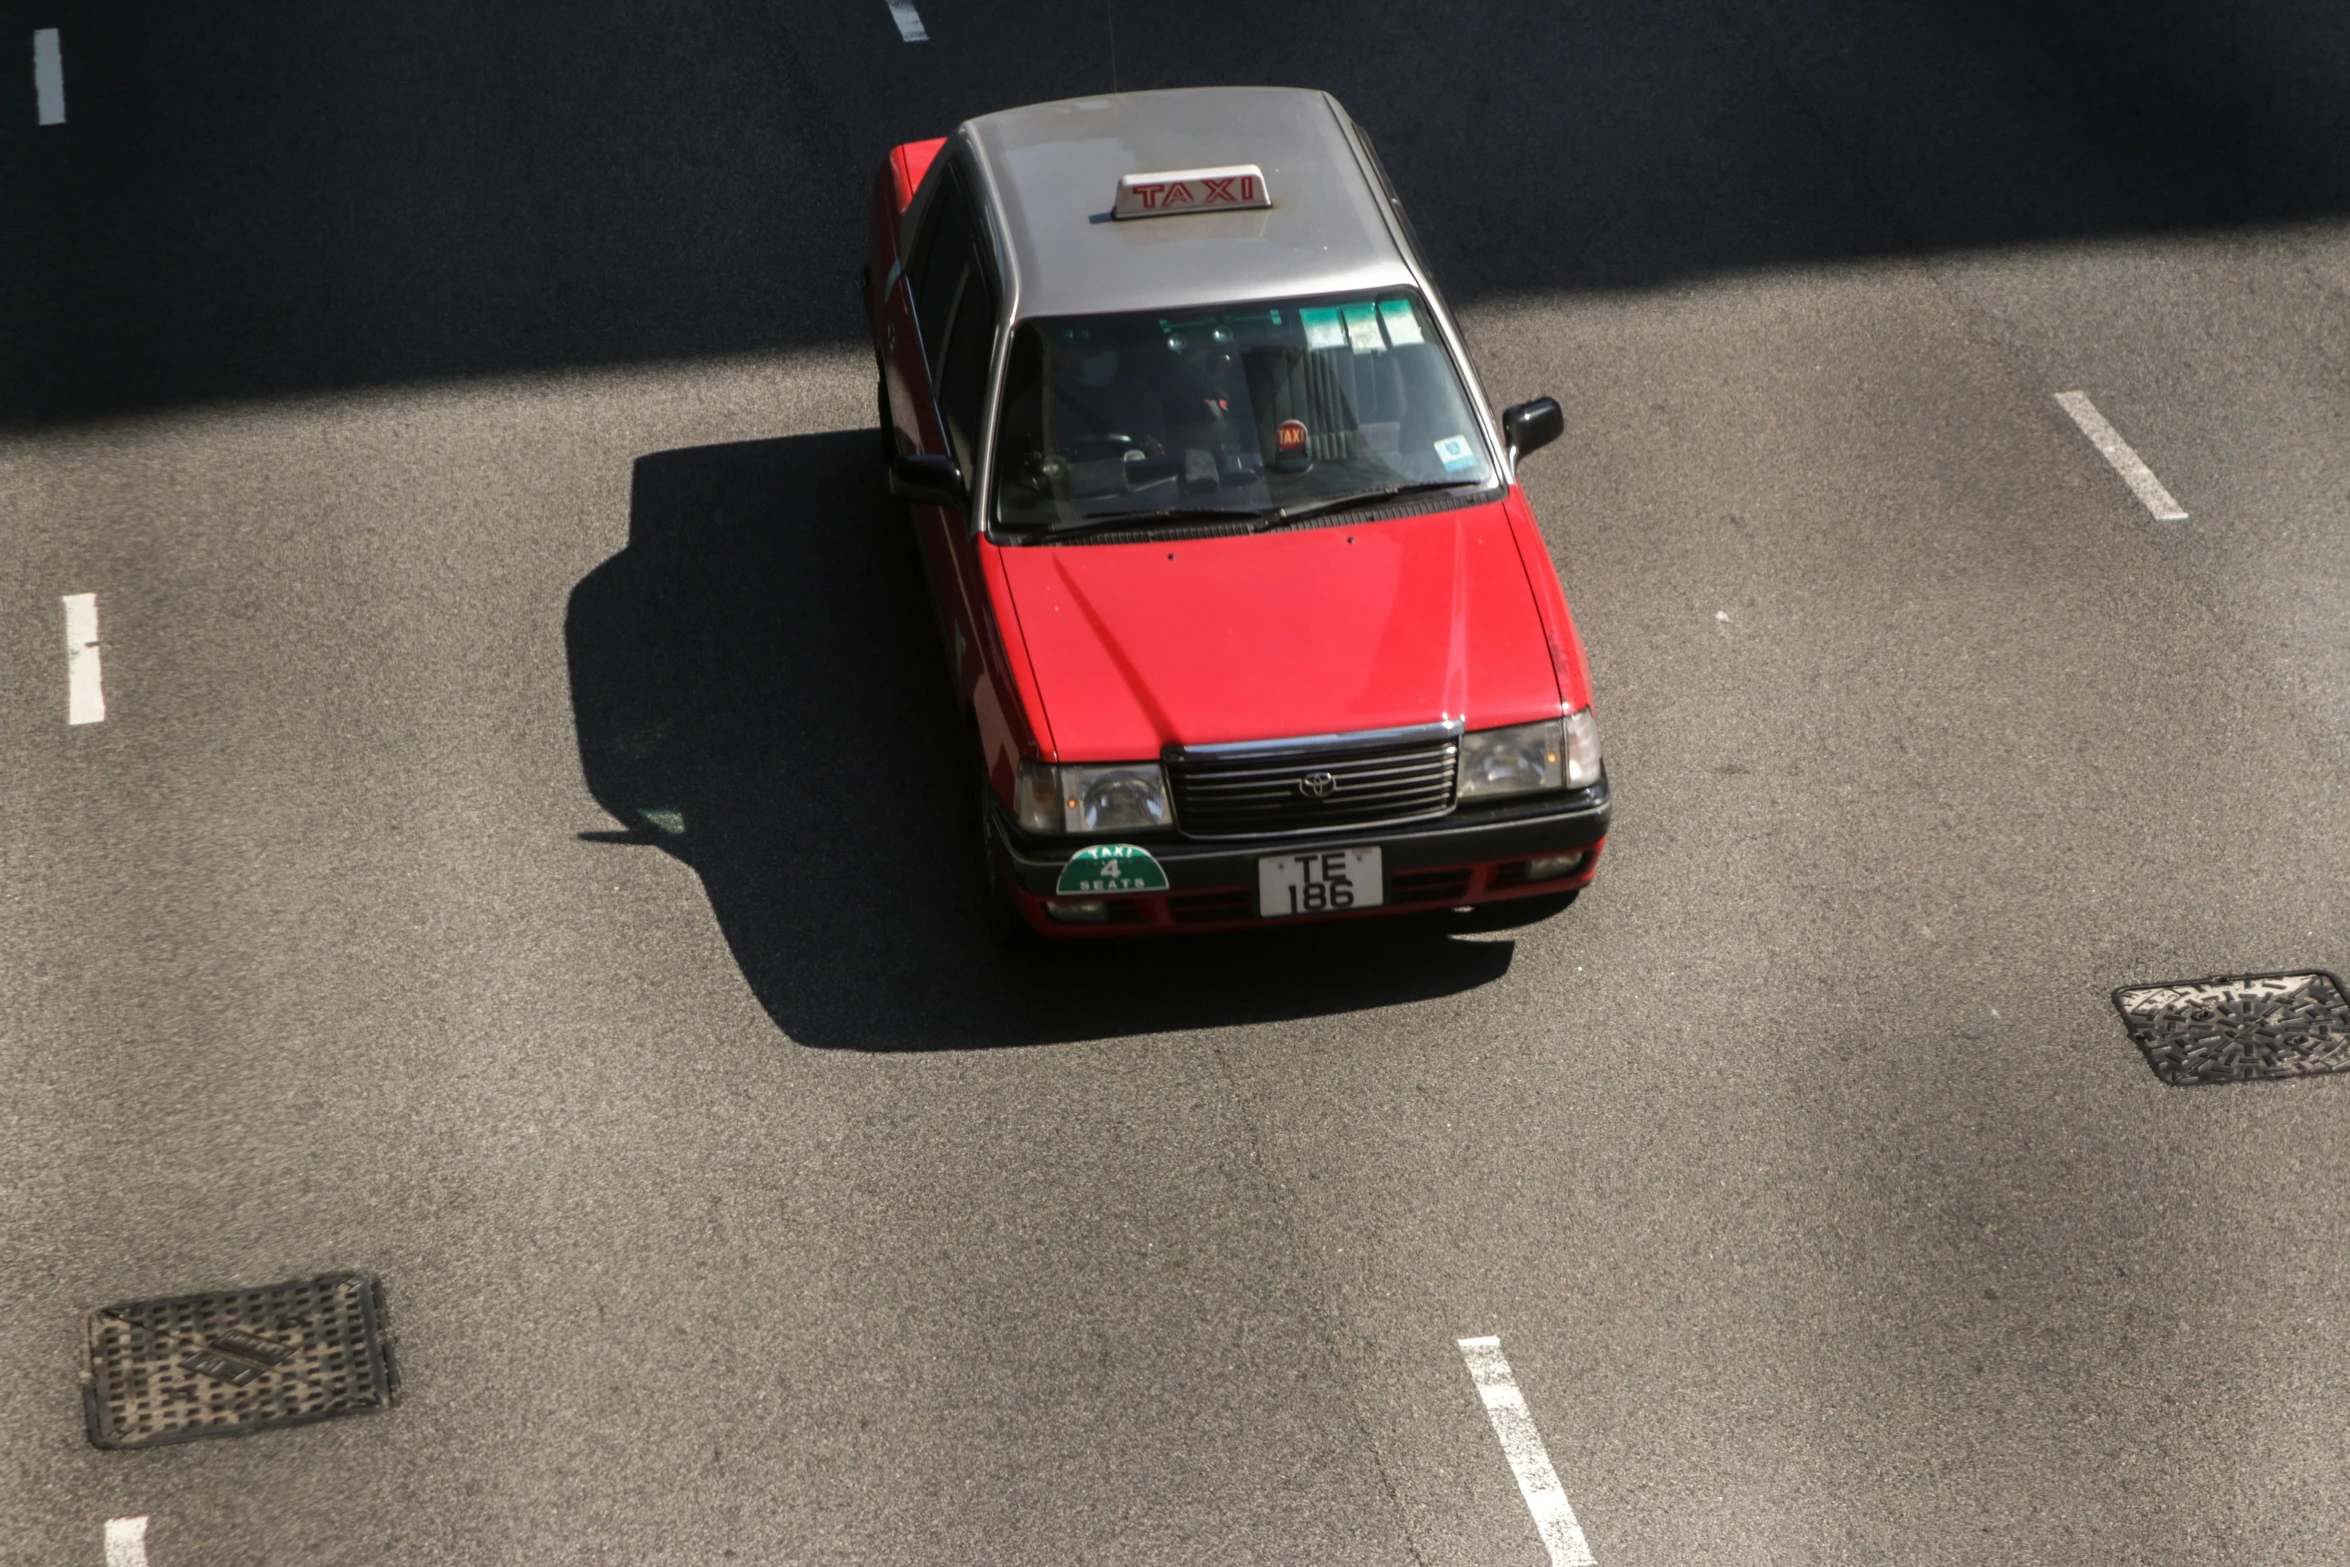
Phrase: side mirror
(1531, 426)
(928, 479)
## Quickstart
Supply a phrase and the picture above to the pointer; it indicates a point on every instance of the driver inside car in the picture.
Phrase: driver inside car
(1098, 404)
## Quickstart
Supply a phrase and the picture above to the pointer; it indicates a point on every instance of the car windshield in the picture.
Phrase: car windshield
(1254, 410)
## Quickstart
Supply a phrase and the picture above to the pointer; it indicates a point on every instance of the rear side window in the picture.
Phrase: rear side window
(942, 258)
(962, 385)
(1394, 200)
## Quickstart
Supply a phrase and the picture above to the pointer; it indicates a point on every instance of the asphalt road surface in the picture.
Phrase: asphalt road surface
(439, 399)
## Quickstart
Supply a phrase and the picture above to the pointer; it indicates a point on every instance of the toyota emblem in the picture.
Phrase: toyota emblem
(1318, 786)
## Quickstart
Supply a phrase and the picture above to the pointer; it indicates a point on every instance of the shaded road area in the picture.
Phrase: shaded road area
(517, 857)
(271, 198)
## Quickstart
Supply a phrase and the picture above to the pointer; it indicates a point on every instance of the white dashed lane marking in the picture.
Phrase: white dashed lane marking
(49, 76)
(909, 21)
(1546, 1499)
(126, 1542)
(85, 689)
(2108, 441)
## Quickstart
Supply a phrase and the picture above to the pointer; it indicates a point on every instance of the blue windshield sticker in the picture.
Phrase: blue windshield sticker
(1403, 328)
(1362, 329)
(1323, 329)
(1457, 455)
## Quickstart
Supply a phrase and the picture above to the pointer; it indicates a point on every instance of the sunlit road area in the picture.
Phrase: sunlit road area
(407, 411)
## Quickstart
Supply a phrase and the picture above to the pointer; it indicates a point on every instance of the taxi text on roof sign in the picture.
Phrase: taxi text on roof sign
(1192, 190)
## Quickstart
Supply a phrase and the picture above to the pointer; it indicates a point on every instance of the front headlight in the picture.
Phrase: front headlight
(1516, 760)
(1524, 758)
(1090, 797)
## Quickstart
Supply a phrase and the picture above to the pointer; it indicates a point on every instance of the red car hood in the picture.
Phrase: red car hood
(1264, 636)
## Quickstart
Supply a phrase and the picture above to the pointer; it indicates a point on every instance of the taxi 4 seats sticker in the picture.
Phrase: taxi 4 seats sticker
(1112, 867)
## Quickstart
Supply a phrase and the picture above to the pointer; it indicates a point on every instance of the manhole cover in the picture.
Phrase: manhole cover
(2240, 1028)
(157, 1371)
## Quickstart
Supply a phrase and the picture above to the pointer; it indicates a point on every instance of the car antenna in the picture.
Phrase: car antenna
(1110, 20)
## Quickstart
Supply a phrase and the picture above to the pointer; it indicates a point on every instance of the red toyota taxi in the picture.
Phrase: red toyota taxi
(1247, 614)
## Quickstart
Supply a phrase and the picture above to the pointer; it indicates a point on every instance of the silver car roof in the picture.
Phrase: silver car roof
(1053, 171)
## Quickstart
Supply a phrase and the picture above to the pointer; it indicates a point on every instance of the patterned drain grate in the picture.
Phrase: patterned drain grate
(157, 1371)
(2241, 1028)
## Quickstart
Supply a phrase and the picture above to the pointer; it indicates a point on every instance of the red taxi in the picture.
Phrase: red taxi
(1247, 616)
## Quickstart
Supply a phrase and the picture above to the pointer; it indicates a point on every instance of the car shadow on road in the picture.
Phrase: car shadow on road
(758, 691)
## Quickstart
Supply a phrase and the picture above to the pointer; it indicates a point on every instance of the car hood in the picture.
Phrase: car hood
(1266, 636)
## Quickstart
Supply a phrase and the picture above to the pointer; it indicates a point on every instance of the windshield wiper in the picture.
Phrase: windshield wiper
(1110, 521)
(1143, 519)
(1305, 509)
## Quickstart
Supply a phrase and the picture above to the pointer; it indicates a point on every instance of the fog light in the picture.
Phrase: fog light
(1549, 867)
(1078, 911)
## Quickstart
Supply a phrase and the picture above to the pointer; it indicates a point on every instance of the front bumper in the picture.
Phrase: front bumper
(1455, 860)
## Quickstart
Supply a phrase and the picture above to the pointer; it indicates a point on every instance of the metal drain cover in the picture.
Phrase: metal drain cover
(157, 1371)
(2240, 1028)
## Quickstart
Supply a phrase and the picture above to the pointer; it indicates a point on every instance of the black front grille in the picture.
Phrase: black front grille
(1253, 794)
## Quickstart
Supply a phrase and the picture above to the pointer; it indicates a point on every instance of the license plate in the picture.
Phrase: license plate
(1321, 883)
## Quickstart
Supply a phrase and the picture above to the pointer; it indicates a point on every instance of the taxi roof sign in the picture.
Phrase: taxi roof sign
(1237, 188)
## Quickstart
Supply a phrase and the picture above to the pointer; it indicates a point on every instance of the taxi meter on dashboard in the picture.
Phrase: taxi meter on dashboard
(1248, 618)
